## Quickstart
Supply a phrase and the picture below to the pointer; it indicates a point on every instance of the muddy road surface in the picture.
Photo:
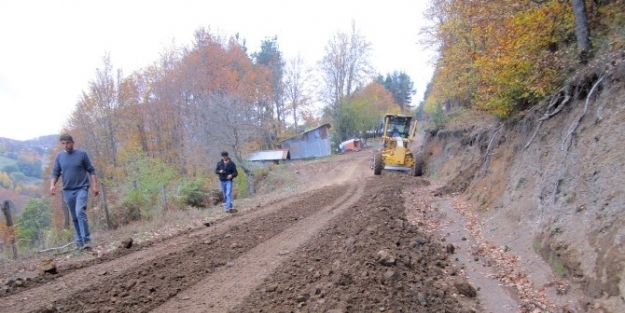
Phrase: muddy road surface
(344, 246)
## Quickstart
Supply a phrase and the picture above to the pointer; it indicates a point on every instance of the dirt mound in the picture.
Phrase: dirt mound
(368, 259)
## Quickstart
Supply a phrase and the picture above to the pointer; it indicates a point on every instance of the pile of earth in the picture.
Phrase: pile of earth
(369, 259)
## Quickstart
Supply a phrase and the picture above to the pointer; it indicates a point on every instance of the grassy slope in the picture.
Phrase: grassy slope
(4, 161)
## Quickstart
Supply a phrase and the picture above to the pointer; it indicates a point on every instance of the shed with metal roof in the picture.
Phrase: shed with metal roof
(270, 156)
(313, 143)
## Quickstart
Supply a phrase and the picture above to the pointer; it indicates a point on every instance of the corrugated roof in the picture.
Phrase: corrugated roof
(307, 131)
(326, 124)
(269, 155)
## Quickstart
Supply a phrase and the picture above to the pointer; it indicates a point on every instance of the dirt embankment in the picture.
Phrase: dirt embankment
(548, 189)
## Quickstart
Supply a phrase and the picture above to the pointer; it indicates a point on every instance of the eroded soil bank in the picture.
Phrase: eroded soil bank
(549, 191)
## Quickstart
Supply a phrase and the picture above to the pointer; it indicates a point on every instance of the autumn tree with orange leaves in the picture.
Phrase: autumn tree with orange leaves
(150, 132)
(493, 62)
(501, 56)
(159, 130)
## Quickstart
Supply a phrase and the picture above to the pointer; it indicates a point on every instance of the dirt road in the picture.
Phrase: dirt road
(342, 245)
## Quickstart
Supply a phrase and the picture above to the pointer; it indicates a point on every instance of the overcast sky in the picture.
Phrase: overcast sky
(49, 50)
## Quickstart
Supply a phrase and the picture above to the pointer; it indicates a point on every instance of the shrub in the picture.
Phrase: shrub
(438, 117)
(194, 193)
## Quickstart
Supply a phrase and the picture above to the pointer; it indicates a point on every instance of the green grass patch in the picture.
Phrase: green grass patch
(4, 161)
(558, 266)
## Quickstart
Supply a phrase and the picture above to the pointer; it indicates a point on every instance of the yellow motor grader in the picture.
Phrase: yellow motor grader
(397, 136)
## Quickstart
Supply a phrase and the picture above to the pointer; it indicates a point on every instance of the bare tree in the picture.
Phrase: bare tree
(296, 82)
(345, 67)
(97, 121)
(232, 127)
(103, 90)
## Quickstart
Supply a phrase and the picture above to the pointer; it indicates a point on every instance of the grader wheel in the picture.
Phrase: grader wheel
(377, 163)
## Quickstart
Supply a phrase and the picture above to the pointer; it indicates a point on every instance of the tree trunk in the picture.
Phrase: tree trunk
(105, 206)
(294, 119)
(164, 193)
(582, 31)
(9, 220)
(250, 180)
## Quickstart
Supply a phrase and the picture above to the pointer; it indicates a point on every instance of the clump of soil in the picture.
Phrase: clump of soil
(370, 259)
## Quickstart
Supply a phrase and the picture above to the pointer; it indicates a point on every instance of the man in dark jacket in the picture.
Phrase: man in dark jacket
(227, 170)
(78, 174)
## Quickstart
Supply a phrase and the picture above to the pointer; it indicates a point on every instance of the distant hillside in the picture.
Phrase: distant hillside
(22, 164)
(40, 144)
(48, 141)
(26, 156)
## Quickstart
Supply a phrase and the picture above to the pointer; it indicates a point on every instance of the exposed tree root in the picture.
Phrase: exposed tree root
(540, 123)
(493, 142)
(573, 128)
(565, 95)
(57, 248)
(554, 107)
(568, 139)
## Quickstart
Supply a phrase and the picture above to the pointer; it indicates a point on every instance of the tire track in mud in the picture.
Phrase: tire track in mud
(144, 286)
(89, 274)
(225, 289)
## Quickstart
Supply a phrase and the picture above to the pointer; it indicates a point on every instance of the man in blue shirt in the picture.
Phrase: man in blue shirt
(74, 166)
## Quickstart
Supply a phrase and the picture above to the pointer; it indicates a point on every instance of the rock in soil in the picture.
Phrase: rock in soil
(127, 243)
(47, 266)
(450, 248)
(465, 288)
(385, 257)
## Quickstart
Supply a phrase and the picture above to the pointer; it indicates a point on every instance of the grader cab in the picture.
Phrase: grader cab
(397, 136)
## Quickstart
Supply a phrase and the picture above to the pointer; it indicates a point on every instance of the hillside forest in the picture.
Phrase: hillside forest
(154, 135)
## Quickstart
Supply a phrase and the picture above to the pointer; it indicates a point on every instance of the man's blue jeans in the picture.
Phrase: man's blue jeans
(76, 201)
(226, 189)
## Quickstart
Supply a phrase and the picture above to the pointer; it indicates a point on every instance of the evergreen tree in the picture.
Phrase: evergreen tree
(270, 56)
(400, 86)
